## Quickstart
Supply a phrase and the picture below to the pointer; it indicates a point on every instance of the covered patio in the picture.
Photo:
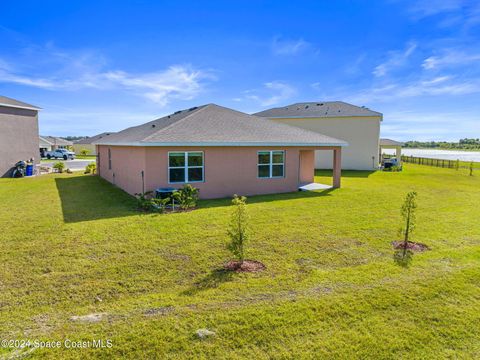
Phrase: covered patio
(307, 170)
(390, 144)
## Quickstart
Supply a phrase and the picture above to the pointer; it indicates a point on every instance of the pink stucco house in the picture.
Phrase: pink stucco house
(218, 150)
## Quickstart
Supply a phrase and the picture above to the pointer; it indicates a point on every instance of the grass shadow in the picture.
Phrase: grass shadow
(403, 257)
(86, 198)
(345, 173)
(212, 280)
(255, 199)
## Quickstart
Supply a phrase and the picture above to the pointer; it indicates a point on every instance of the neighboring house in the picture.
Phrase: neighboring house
(88, 144)
(57, 142)
(50, 143)
(18, 133)
(358, 126)
(44, 144)
(218, 150)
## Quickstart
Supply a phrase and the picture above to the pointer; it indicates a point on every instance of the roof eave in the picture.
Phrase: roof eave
(319, 117)
(21, 107)
(214, 144)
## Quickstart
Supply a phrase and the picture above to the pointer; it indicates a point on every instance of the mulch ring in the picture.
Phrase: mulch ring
(244, 266)
(398, 245)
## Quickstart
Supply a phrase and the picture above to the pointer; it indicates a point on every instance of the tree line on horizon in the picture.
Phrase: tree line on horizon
(463, 144)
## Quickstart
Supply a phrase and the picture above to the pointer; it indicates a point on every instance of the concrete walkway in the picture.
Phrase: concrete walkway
(314, 186)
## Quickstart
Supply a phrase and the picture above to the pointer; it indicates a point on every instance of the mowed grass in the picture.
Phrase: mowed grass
(74, 245)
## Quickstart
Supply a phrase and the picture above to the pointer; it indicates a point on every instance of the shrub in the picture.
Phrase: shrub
(91, 168)
(186, 197)
(394, 168)
(147, 203)
(84, 152)
(238, 229)
(59, 166)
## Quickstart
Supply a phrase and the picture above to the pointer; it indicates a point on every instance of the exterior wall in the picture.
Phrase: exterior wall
(18, 137)
(227, 170)
(79, 147)
(307, 166)
(127, 165)
(361, 133)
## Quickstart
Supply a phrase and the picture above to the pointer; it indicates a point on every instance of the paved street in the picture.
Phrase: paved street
(74, 165)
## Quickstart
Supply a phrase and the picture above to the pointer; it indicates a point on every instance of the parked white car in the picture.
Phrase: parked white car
(60, 154)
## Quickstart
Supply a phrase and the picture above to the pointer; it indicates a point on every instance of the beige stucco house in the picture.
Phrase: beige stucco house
(218, 150)
(88, 143)
(358, 126)
(18, 133)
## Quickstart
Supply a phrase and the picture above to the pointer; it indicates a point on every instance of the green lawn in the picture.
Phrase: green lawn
(74, 245)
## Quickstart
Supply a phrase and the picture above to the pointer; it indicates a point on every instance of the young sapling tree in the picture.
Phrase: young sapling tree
(238, 229)
(409, 217)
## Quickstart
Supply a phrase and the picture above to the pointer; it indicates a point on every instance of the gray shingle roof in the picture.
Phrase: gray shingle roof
(317, 110)
(213, 125)
(93, 139)
(390, 142)
(53, 140)
(9, 102)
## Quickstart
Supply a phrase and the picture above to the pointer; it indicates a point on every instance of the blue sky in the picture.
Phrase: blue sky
(97, 66)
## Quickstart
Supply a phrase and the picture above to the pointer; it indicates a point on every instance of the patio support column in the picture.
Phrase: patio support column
(398, 154)
(337, 166)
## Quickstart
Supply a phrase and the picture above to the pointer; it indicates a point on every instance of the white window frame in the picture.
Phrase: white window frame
(271, 164)
(186, 167)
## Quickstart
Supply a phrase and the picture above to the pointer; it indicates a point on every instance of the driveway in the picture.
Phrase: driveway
(74, 165)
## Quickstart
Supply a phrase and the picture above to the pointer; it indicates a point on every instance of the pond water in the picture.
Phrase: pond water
(439, 154)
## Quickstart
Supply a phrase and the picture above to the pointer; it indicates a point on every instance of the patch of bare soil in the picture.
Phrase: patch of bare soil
(244, 266)
(398, 245)
(158, 311)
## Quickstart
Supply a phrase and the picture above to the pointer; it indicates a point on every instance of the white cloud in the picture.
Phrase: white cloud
(424, 8)
(394, 60)
(288, 46)
(272, 93)
(450, 57)
(450, 13)
(74, 71)
(77, 121)
(428, 126)
(441, 85)
(175, 82)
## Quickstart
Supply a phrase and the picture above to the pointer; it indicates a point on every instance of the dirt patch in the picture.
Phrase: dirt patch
(90, 318)
(398, 245)
(244, 266)
(158, 311)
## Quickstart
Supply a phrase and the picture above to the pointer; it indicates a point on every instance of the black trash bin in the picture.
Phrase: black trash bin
(163, 193)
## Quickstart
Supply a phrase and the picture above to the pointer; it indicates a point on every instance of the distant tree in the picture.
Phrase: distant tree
(238, 229)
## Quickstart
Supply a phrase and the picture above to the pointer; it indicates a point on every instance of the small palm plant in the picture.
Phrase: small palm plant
(238, 229)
